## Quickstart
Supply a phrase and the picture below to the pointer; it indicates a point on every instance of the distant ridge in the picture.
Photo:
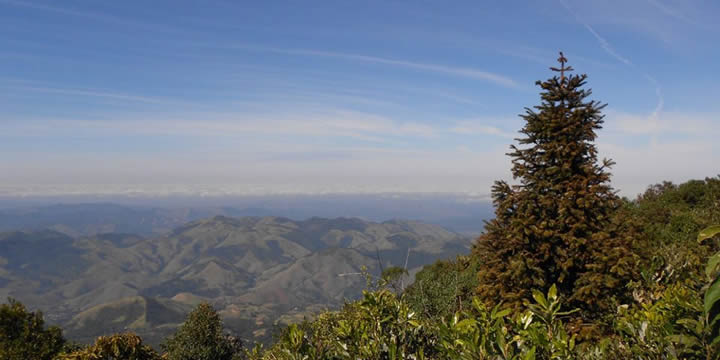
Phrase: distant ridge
(151, 218)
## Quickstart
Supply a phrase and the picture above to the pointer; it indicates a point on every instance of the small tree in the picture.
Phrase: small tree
(125, 346)
(558, 225)
(23, 334)
(201, 338)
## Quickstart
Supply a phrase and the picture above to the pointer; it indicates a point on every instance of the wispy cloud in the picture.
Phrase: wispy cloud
(477, 128)
(88, 15)
(305, 124)
(606, 45)
(672, 12)
(354, 170)
(603, 42)
(653, 117)
(92, 93)
(318, 123)
(470, 73)
(670, 124)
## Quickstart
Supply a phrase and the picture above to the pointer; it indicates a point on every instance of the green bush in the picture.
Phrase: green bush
(23, 334)
(379, 326)
(382, 326)
(201, 337)
(125, 346)
(443, 288)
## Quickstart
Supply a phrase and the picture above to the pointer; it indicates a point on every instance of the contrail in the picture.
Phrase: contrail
(470, 73)
(612, 52)
(607, 47)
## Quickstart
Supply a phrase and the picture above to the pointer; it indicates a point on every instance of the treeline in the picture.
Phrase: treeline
(567, 269)
(24, 336)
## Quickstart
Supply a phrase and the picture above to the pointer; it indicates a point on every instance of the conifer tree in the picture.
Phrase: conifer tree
(559, 224)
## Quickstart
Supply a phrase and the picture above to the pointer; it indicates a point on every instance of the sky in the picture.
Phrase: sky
(276, 97)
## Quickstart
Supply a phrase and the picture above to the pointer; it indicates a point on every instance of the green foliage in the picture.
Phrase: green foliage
(443, 288)
(671, 216)
(677, 323)
(201, 338)
(125, 346)
(382, 326)
(711, 308)
(709, 233)
(676, 213)
(23, 334)
(379, 326)
(537, 333)
(387, 326)
(673, 325)
(559, 225)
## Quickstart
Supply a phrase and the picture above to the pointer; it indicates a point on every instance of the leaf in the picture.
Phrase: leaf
(501, 344)
(708, 233)
(565, 313)
(685, 340)
(712, 265)
(552, 293)
(686, 321)
(477, 304)
(466, 324)
(712, 295)
(502, 313)
(539, 298)
(530, 355)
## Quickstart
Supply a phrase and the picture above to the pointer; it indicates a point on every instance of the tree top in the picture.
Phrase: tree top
(562, 60)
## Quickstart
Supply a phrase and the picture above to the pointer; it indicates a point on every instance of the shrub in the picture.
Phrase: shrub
(443, 288)
(23, 334)
(127, 346)
(201, 338)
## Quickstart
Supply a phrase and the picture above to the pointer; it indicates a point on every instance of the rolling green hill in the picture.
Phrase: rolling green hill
(256, 270)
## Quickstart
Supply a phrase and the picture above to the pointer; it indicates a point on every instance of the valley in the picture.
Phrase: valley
(259, 272)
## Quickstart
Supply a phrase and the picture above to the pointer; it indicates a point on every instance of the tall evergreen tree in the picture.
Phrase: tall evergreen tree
(558, 225)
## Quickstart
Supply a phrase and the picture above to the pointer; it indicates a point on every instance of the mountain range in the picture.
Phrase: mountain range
(259, 272)
(155, 216)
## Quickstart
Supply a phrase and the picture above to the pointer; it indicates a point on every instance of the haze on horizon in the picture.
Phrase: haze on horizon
(339, 97)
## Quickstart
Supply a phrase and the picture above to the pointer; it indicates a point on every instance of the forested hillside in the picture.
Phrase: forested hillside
(256, 271)
(567, 269)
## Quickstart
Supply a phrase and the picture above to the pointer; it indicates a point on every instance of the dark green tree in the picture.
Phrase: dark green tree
(201, 338)
(559, 224)
(23, 334)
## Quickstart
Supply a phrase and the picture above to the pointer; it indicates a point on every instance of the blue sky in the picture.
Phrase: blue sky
(339, 96)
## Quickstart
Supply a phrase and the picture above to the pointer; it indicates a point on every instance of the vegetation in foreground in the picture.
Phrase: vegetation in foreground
(566, 270)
